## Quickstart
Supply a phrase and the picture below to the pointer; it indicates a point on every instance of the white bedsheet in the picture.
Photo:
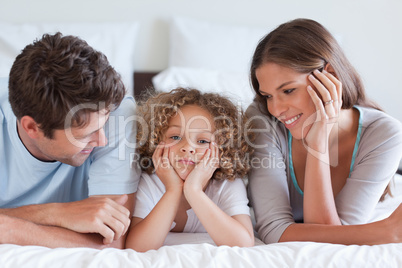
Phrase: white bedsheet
(290, 254)
(197, 250)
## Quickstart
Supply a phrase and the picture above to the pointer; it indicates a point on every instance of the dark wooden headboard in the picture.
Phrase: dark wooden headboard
(142, 82)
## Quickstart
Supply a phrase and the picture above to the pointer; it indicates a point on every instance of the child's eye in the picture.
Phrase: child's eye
(176, 138)
(203, 141)
(288, 91)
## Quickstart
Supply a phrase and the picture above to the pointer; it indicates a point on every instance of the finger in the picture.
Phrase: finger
(122, 199)
(165, 153)
(338, 85)
(157, 153)
(329, 85)
(116, 226)
(317, 103)
(207, 155)
(107, 233)
(215, 155)
(322, 90)
(327, 90)
(117, 216)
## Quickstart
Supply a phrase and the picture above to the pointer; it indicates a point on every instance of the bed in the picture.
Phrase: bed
(192, 63)
(198, 250)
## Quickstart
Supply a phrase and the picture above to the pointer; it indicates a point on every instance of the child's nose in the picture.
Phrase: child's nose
(187, 148)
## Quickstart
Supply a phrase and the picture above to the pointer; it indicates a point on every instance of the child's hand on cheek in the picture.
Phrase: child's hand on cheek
(164, 169)
(203, 171)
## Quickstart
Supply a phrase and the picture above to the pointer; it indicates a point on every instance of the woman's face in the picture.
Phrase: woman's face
(287, 98)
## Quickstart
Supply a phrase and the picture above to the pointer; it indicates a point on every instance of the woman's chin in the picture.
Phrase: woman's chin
(299, 134)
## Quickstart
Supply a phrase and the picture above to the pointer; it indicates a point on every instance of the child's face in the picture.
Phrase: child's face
(189, 135)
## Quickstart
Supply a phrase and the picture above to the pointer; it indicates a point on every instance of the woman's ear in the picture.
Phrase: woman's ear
(30, 127)
(328, 67)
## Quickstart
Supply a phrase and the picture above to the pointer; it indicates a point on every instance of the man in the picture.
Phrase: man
(66, 139)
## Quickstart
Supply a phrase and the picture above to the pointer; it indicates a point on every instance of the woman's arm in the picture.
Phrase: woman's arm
(318, 199)
(385, 231)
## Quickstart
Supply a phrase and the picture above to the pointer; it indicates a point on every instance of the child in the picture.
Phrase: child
(199, 151)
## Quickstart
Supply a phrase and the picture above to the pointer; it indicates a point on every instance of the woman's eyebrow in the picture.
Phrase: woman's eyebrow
(285, 84)
(278, 88)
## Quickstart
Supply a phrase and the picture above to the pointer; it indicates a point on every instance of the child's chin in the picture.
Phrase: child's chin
(183, 174)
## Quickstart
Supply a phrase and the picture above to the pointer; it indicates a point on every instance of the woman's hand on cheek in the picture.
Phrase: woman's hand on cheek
(327, 102)
(203, 171)
(163, 168)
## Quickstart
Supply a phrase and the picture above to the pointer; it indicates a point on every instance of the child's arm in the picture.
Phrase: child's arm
(150, 232)
(223, 229)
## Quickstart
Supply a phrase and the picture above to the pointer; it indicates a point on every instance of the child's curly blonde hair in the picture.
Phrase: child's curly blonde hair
(232, 133)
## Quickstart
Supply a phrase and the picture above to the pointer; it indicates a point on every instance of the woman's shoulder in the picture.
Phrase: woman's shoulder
(256, 110)
(265, 127)
(378, 126)
(379, 121)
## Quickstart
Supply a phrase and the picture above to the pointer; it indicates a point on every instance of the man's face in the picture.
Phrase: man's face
(73, 145)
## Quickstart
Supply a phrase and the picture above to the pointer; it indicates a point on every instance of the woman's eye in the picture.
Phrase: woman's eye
(267, 97)
(288, 91)
(176, 138)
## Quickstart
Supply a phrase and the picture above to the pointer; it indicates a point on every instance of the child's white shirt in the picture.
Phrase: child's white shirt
(230, 196)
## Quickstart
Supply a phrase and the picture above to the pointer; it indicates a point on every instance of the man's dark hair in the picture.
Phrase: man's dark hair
(55, 74)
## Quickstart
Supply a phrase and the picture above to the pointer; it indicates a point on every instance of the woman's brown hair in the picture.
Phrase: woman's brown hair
(304, 45)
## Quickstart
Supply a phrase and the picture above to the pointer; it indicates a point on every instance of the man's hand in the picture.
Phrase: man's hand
(102, 215)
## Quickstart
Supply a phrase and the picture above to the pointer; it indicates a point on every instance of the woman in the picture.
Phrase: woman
(326, 153)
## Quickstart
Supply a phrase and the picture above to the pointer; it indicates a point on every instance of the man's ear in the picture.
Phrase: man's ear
(30, 127)
(328, 67)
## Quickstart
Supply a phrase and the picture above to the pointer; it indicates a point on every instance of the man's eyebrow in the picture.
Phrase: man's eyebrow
(89, 134)
(96, 130)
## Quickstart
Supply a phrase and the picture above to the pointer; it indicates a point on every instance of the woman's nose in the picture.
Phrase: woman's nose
(276, 107)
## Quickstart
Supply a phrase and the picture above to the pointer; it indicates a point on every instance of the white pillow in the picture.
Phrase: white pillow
(115, 40)
(202, 44)
(234, 85)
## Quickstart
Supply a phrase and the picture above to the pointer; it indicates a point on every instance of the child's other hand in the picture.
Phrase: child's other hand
(164, 169)
(203, 171)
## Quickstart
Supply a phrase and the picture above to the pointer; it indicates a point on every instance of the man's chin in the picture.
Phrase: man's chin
(75, 162)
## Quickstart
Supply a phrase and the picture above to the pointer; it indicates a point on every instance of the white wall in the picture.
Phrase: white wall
(371, 30)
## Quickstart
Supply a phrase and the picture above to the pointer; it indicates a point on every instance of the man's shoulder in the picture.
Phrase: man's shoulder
(4, 103)
(126, 107)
